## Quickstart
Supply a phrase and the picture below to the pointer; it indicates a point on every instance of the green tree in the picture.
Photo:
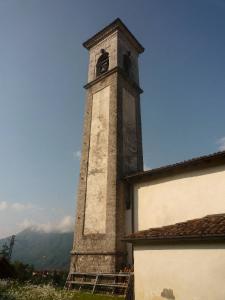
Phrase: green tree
(5, 251)
(6, 269)
(23, 272)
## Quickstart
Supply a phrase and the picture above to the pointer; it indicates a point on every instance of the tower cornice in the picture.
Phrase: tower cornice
(110, 72)
(116, 25)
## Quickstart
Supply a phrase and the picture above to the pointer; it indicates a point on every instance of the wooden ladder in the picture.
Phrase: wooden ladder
(117, 284)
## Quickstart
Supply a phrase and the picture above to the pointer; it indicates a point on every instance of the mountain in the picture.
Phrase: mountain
(45, 251)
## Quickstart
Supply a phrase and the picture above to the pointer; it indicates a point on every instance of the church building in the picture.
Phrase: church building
(168, 222)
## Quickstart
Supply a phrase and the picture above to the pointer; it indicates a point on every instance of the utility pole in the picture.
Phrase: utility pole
(7, 250)
(11, 244)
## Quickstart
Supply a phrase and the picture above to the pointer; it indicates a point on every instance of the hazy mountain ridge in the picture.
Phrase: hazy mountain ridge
(42, 250)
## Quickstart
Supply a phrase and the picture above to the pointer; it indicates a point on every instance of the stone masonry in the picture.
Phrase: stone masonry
(112, 148)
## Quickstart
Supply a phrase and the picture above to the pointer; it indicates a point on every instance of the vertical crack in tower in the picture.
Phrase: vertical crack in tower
(112, 148)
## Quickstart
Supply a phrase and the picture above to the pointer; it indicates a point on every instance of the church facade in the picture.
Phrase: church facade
(169, 222)
(179, 230)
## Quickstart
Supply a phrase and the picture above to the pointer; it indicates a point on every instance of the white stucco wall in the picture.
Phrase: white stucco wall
(191, 272)
(179, 198)
(95, 207)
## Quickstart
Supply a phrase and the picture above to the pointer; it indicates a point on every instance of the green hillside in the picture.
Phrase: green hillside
(45, 251)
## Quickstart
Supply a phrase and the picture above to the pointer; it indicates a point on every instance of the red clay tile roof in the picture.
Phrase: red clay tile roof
(201, 162)
(209, 227)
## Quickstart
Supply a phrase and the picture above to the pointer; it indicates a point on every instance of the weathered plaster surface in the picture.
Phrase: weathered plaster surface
(116, 45)
(110, 45)
(123, 47)
(129, 132)
(178, 198)
(95, 211)
(101, 216)
(107, 250)
(94, 263)
(190, 272)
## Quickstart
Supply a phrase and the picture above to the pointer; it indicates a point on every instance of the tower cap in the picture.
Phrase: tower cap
(117, 24)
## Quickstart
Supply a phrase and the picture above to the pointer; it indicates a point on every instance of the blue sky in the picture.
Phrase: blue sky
(43, 67)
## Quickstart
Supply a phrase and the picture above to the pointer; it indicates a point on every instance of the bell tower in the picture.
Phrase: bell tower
(112, 148)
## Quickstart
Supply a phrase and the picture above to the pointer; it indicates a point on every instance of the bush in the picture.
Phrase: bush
(23, 272)
(16, 291)
(6, 269)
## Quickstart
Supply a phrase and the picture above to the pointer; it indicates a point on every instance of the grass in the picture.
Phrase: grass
(15, 291)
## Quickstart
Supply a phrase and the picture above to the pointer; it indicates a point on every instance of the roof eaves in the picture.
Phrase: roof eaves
(197, 162)
(175, 239)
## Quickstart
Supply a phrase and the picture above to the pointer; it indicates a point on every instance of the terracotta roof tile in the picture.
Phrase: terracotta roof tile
(211, 226)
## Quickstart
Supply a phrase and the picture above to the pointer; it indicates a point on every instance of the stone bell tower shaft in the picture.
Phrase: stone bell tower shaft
(112, 148)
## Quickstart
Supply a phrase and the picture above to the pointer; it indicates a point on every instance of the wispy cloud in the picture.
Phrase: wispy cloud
(15, 206)
(3, 205)
(20, 206)
(77, 154)
(221, 143)
(66, 224)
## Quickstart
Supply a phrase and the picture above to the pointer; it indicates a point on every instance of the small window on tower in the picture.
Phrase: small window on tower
(102, 65)
(127, 62)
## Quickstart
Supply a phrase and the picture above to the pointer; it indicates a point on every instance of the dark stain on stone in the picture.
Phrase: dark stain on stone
(168, 294)
(95, 171)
